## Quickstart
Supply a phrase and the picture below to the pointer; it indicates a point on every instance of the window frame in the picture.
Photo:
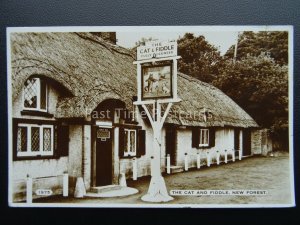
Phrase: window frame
(41, 152)
(38, 105)
(128, 153)
(201, 144)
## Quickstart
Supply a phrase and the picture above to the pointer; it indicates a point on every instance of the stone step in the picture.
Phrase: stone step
(103, 189)
(176, 169)
(123, 191)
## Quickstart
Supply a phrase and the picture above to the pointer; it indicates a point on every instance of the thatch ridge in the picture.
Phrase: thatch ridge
(94, 70)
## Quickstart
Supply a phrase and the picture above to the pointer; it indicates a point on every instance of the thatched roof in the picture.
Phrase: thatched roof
(94, 70)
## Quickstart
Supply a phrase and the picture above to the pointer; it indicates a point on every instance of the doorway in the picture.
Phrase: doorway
(237, 141)
(246, 142)
(171, 141)
(103, 156)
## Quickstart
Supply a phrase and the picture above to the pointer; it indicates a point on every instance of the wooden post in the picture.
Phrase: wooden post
(139, 81)
(233, 155)
(134, 168)
(225, 156)
(28, 189)
(175, 78)
(218, 158)
(168, 164)
(186, 162)
(198, 161)
(208, 159)
(157, 191)
(240, 154)
(241, 145)
(66, 185)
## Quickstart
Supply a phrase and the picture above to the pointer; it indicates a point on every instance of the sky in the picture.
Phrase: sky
(220, 39)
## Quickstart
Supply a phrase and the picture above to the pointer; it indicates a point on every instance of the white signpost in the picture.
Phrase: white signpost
(157, 84)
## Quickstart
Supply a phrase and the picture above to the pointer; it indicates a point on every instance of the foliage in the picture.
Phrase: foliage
(274, 43)
(260, 86)
(199, 58)
(142, 42)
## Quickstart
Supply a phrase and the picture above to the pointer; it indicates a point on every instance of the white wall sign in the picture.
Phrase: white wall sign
(157, 49)
(44, 192)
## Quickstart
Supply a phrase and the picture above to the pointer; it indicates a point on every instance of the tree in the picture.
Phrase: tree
(141, 43)
(274, 43)
(260, 86)
(199, 58)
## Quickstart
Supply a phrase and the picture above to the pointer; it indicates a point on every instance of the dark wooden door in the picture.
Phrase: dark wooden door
(236, 141)
(171, 140)
(103, 156)
(246, 142)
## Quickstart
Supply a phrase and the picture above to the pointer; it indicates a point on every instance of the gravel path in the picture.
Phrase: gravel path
(256, 173)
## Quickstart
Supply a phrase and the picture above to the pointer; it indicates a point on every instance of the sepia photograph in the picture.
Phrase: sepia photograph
(181, 116)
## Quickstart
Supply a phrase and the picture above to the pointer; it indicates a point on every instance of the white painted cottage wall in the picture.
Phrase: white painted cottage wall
(75, 150)
(53, 96)
(224, 139)
(46, 173)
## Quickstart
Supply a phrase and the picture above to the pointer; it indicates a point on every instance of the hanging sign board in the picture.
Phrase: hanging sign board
(157, 82)
(157, 49)
(157, 72)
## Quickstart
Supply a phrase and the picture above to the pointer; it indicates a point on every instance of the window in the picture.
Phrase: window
(130, 142)
(35, 94)
(33, 140)
(204, 137)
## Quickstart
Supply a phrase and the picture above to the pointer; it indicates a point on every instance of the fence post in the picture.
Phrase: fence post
(66, 185)
(28, 189)
(186, 162)
(134, 168)
(208, 159)
(218, 158)
(168, 164)
(240, 154)
(198, 161)
(225, 156)
(233, 155)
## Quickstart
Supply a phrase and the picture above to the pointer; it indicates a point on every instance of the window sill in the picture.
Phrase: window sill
(204, 147)
(129, 157)
(36, 113)
(38, 157)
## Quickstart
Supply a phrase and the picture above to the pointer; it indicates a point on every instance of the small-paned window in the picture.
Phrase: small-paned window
(130, 142)
(204, 137)
(33, 140)
(35, 94)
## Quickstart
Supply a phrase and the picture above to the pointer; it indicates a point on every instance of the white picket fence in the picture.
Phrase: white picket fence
(207, 156)
(135, 162)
